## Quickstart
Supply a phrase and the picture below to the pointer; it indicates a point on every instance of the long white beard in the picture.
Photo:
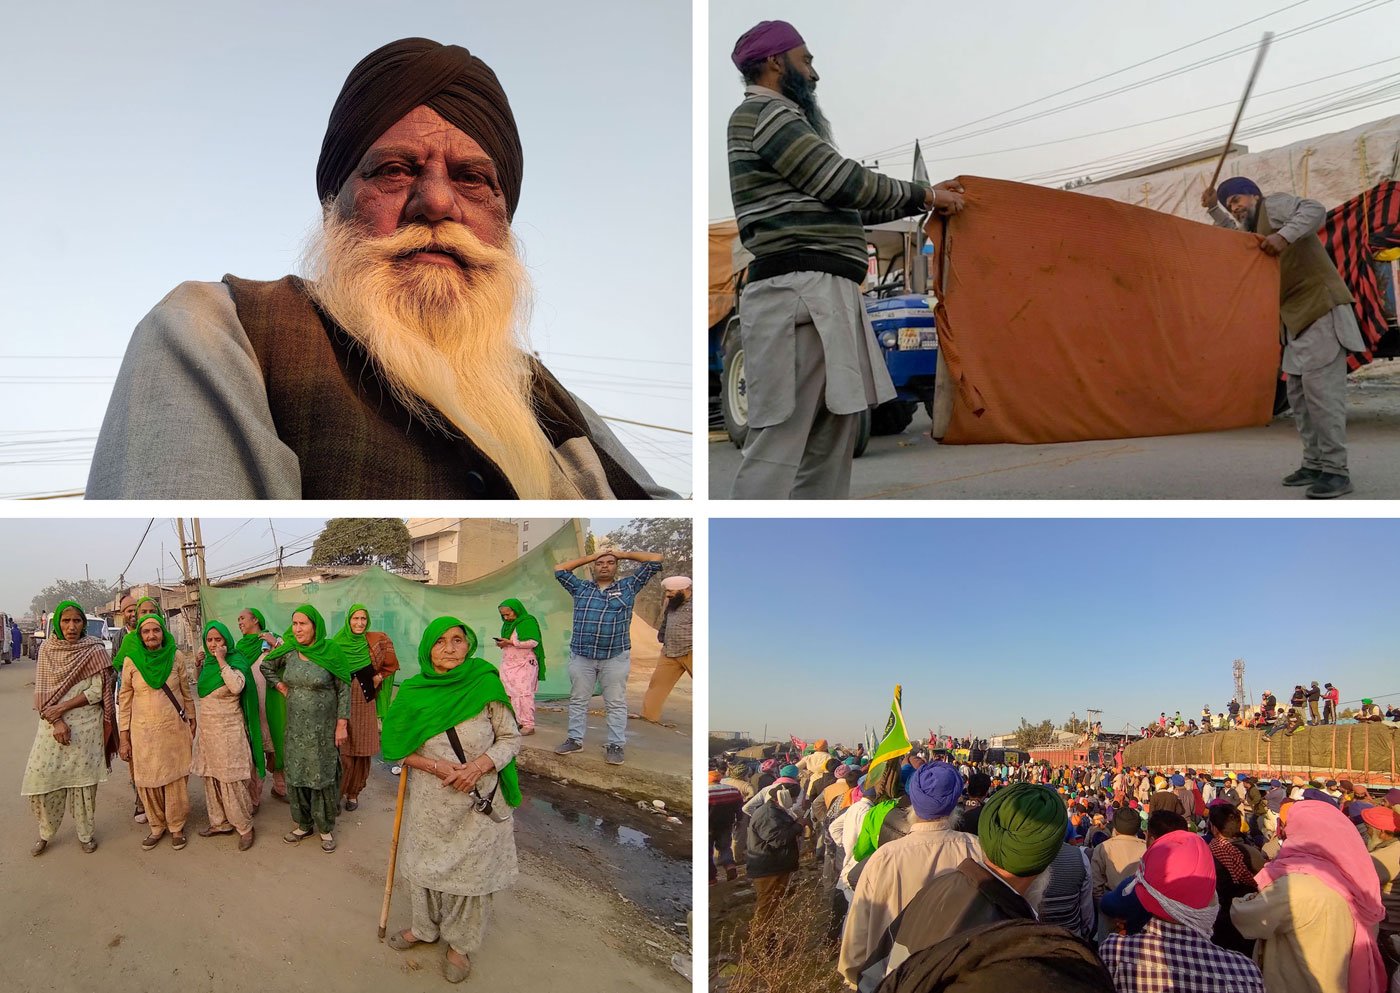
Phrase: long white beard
(450, 342)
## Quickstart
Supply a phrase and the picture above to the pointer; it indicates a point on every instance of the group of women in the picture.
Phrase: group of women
(305, 707)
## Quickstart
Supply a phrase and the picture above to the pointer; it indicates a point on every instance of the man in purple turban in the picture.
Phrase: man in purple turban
(1318, 326)
(811, 360)
(398, 368)
(898, 869)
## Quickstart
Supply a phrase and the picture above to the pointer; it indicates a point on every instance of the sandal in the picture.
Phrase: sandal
(453, 972)
(402, 941)
(245, 841)
(150, 841)
(327, 843)
(209, 832)
(90, 846)
(295, 835)
(352, 804)
(178, 841)
(39, 847)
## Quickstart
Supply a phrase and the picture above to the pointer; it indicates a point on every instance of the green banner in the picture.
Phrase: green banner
(402, 608)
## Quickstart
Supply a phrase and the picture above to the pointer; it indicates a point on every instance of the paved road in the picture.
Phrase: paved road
(211, 920)
(1244, 464)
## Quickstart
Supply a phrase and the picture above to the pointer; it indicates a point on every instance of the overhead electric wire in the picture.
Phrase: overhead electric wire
(1364, 7)
(122, 574)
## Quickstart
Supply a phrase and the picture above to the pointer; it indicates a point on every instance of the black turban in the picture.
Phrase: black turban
(391, 81)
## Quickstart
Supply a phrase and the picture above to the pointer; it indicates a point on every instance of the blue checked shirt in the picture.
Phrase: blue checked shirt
(603, 617)
(1167, 957)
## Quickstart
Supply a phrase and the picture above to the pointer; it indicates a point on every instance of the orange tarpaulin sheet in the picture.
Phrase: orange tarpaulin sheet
(1066, 317)
(722, 235)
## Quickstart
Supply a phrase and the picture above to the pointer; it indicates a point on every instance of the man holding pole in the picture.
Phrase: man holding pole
(1318, 325)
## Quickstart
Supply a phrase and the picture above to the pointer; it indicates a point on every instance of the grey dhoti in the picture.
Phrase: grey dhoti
(1315, 361)
(811, 365)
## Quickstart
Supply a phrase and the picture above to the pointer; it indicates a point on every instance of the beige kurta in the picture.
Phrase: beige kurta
(450, 847)
(1306, 931)
(893, 875)
(81, 762)
(221, 750)
(160, 741)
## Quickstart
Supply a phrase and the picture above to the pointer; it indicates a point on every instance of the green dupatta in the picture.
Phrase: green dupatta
(275, 704)
(355, 648)
(526, 628)
(322, 651)
(431, 702)
(210, 679)
(154, 666)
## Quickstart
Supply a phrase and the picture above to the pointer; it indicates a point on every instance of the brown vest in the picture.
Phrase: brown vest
(353, 439)
(1309, 286)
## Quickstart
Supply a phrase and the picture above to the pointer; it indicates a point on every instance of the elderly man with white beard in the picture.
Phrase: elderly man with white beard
(398, 368)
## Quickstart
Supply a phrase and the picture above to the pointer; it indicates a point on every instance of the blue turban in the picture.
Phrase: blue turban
(934, 790)
(1178, 780)
(1234, 186)
(906, 773)
(1311, 794)
(789, 771)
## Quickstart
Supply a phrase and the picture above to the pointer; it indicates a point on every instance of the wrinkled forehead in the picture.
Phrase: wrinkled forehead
(424, 133)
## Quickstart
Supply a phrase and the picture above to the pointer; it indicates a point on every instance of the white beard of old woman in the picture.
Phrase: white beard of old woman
(450, 342)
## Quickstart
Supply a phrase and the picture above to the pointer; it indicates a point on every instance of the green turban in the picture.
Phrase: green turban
(1022, 827)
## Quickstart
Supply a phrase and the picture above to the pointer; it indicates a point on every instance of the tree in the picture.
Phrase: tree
(381, 541)
(91, 593)
(590, 544)
(1030, 735)
(1076, 725)
(671, 536)
(1347, 713)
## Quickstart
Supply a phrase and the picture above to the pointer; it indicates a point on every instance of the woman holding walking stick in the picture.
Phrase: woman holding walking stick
(453, 724)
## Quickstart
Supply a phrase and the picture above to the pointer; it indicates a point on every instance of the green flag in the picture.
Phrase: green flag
(894, 741)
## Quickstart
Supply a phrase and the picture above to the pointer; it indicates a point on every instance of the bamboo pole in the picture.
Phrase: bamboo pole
(393, 854)
(1239, 113)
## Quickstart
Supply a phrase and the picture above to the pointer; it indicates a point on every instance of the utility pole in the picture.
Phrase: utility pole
(184, 550)
(199, 553)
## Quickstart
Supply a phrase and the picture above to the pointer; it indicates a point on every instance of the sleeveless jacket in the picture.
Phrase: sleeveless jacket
(1309, 286)
(354, 440)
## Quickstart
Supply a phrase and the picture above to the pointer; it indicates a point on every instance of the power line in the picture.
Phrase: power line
(1329, 19)
(644, 424)
(122, 575)
(613, 358)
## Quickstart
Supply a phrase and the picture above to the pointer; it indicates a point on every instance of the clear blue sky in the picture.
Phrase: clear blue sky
(156, 142)
(987, 621)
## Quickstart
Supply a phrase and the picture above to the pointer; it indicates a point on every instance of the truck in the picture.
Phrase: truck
(901, 314)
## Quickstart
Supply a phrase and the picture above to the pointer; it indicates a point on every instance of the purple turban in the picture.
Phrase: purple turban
(934, 790)
(1234, 186)
(392, 80)
(764, 39)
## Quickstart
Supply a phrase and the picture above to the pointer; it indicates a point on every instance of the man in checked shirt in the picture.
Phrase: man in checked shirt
(600, 648)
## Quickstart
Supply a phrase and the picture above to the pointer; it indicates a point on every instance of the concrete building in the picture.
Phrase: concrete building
(457, 550)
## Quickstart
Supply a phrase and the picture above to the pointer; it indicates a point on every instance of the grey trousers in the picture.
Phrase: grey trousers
(1318, 400)
(808, 456)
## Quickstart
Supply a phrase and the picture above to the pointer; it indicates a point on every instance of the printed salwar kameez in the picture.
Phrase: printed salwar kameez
(59, 777)
(160, 744)
(315, 701)
(222, 756)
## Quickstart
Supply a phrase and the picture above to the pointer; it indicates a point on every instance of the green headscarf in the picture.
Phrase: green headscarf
(154, 665)
(58, 612)
(1022, 827)
(210, 679)
(322, 650)
(250, 645)
(526, 628)
(431, 702)
(152, 602)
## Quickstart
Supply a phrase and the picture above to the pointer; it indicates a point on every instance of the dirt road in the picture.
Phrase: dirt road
(1244, 464)
(294, 919)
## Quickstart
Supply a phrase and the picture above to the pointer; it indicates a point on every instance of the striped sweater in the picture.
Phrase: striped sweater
(802, 206)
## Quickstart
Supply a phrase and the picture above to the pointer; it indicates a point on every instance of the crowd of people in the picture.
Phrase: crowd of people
(1099, 877)
(1307, 707)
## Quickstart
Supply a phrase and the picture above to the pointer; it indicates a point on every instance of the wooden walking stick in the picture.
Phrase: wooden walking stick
(393, 853)
(1248, 88)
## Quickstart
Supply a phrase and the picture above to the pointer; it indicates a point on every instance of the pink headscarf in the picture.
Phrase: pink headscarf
(1323, 843)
